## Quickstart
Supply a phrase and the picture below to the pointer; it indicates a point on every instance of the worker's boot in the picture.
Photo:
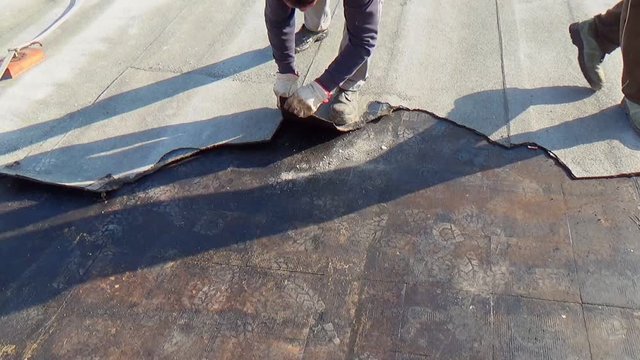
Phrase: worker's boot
(305, 38)
(633, 111)
(590, 56)
(344, 108)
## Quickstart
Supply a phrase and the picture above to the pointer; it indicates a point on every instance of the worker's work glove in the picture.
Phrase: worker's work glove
(286, 85)
(306, 100)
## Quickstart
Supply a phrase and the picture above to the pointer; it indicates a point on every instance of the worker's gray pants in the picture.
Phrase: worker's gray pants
(318, 18)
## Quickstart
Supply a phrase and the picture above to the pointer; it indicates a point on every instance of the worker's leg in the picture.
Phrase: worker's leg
(606, 29)
(318, 17)
(357, 80)
(344, 109)
(595, 38)
(316, 25)
(630, 44)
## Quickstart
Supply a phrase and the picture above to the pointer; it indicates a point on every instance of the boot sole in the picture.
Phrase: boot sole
(308, 44)
(576, 39)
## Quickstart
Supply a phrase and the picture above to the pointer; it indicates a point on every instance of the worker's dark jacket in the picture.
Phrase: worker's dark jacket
(362, 18)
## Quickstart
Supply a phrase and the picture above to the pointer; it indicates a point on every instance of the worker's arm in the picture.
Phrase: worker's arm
(280, 20)
(362, 19)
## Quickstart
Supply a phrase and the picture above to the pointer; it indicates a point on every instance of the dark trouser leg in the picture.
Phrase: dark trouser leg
(607, 31)
(620, 27)
(630, 43)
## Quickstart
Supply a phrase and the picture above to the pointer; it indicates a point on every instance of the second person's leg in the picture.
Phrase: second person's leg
(606, 29)
(630, 44)
(595, 38)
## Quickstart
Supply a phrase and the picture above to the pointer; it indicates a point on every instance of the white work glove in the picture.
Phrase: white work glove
(286, 85)
(306, 100)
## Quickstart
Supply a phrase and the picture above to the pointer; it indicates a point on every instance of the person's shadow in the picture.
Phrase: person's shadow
(608, 124)
(131, 100)
(402, 155)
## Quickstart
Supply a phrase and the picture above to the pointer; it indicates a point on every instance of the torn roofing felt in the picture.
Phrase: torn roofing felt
(101, 111)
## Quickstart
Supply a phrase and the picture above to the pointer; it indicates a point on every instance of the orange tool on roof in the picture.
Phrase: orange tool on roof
(25, 57)
(22, 60)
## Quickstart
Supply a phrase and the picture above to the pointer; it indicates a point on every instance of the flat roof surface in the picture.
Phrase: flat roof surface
(128, 87)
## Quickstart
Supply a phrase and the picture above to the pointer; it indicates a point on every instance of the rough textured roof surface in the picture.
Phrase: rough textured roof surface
(130, 86)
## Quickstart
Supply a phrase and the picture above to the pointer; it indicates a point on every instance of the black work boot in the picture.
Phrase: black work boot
(590, 56)
(344, 108)
(305, 38)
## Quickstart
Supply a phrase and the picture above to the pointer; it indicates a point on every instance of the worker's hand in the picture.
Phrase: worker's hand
(306, 100)
(286, 85)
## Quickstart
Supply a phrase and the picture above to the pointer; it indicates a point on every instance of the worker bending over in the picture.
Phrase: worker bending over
(344, 77)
